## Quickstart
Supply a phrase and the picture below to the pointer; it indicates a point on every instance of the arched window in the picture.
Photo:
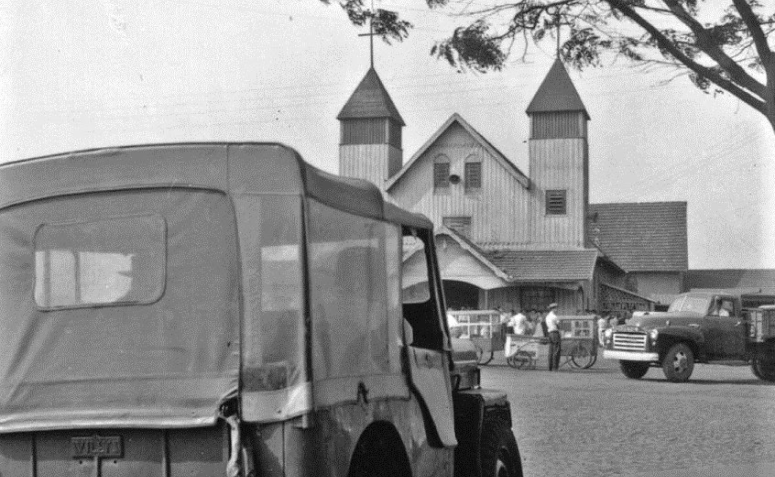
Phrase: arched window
(441, 172)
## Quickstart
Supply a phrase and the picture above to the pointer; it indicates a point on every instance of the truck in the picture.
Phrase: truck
(700, 326)
(227, 309)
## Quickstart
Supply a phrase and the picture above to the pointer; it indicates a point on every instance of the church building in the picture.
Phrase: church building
(506, 238)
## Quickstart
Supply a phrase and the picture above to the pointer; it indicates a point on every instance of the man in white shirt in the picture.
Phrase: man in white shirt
(553, 327)
(519, 323)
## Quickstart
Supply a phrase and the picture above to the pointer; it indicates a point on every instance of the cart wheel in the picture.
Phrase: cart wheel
(520, 360)
(513, 362)
(582, 358)
(485, 358)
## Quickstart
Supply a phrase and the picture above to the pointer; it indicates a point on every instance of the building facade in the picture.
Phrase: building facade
(505, 238)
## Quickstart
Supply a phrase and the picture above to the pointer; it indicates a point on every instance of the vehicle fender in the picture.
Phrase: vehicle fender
(472, 408)
(670, 335)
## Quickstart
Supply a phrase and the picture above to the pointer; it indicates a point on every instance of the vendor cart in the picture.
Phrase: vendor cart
(578, 349)
(483, 328)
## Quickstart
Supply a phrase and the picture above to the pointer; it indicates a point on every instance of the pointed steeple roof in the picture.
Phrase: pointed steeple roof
(370, 100)
(557, 93)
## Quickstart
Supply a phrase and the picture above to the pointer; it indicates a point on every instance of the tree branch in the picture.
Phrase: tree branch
(707, 44)
(668, 46)
(759, 38)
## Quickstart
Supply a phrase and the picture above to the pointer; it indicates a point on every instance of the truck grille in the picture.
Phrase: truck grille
(630, 342)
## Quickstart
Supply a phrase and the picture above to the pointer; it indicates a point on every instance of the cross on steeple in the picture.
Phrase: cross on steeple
(371, 35)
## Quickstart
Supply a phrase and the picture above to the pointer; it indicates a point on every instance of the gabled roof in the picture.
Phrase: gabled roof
(731, 278)
(556, 93)
(644, 236)
(456, 118)
(370, 100)
(546, 265)
(473, 249)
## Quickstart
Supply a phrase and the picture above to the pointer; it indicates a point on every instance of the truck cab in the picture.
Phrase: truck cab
(698, 327)
(227, 309)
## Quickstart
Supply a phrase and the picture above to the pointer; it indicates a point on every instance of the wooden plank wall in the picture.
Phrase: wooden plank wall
(498, 211)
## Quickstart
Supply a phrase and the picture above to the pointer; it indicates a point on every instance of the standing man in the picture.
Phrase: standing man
(519, 323)
(553, 327)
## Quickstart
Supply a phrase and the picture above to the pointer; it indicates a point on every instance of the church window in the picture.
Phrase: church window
(556, 202)
(461, 225)
(473, 176)
(441, 173)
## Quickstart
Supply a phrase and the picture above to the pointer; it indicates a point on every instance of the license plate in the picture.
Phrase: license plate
(96, 446)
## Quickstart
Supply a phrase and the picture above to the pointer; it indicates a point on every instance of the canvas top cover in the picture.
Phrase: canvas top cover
(120, 295)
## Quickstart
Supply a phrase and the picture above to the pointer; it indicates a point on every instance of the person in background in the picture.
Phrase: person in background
(455, 330)
(555, 343)
(602, 325)
(519, 323)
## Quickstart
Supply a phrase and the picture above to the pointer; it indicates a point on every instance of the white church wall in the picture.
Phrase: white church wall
(498, 211)
(558, 164)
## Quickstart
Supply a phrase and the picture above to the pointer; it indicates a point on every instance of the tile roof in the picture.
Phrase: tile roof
(556, 93)
(644, 236)
(546, 265)
(731, 278)
(370, 100)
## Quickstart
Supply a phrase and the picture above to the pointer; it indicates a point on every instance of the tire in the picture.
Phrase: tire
(634, 369)
(499, 455)
(486, 358)
(678, 363)
(582, 358)
(763, 369)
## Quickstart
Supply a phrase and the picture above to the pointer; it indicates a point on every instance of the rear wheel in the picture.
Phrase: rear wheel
(678, 363)
(499, 453)
(763, 367)
(634, 369)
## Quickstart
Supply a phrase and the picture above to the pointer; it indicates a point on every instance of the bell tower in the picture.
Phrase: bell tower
(559, 162)
(370, 133)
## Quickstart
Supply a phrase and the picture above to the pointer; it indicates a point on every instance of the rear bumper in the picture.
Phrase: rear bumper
(630, 355)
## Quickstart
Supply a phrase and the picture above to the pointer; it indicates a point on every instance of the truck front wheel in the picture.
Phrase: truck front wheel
(678, 363)
(499, 453)
(634, 369)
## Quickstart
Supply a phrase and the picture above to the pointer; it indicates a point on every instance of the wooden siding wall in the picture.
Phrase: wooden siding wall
(565, 124)
(373, 162)
(498, 210)
(559, 164)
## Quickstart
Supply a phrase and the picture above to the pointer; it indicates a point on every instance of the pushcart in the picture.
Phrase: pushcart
(483, 328)
(578, 350)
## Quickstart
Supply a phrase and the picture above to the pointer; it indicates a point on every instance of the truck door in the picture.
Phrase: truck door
(724, 330)
(424, 334)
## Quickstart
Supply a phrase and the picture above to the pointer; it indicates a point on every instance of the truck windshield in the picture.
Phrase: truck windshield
(696, 304)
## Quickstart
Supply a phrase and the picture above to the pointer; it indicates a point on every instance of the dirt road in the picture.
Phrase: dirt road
(596, 422)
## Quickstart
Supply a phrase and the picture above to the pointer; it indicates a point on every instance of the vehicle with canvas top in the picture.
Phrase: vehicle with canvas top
(227, 309)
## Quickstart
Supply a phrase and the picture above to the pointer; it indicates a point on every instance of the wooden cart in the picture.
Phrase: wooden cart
(483, 328)
(579, 345)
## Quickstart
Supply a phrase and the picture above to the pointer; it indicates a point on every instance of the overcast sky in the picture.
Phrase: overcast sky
(92, 73)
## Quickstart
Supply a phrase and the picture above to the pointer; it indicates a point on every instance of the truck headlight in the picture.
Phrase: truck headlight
(607, 334)
(653, 335)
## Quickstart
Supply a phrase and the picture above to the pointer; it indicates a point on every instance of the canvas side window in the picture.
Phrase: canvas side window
(107, 262)
(349, 295)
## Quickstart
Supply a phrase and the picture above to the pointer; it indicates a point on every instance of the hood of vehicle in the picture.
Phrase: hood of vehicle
(658, 319)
